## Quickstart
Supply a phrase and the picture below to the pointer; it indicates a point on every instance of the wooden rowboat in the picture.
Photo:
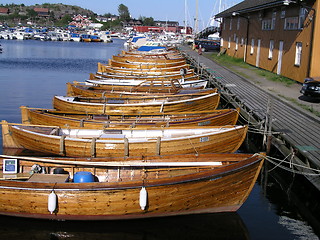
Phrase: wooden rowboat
(123, 58)
(107, 68)
(207, 102)
(123, 142)
(190, 75)
(78, 120)
(145, 188)
(170, 91)
(146, 65)
(155, 85)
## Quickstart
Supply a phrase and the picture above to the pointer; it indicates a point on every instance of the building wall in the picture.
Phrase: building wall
(274, 21)
(315, 59)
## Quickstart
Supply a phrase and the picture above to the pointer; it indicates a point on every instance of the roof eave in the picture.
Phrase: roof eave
(228, 13)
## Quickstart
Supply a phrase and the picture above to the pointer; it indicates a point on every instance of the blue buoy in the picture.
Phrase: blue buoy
(83, 177)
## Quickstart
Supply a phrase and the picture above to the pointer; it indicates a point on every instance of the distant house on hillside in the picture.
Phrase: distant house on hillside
(4, 11)
(281, 36)
(132, 22)
(42, 12)
(80, 21)
(166, 23)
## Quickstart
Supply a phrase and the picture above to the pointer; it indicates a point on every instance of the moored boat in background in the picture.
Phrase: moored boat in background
(53, 117)
(123, 142)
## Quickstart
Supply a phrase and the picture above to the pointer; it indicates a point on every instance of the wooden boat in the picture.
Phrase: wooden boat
(190, 75)
(107, 68)
(146, 65)
(145, 188)
(154, 85)
(53, 117)
(123, 58)
(164, 54)
(207, 102)
(170, 90)
(123, 142)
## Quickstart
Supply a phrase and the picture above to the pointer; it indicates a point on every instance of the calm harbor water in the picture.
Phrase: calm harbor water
(32, 72)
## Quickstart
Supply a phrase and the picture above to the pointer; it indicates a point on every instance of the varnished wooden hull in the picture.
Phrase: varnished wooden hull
(222, 189)
(146, 65)
(204, 103)
(133, 142)
(123, 58)
(158, 93)
(108, 68)
(143, 76)
(57, 118)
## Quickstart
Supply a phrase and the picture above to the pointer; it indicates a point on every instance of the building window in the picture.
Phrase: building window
(268, 24)
(273, 20)
(302, 17)
(237, 43)
(238, 24)
(230, 25)
(291, 23)
(229, 42)
(221, 42)
(252, 46)
(242, 41)
(297, 60)
(271, 47)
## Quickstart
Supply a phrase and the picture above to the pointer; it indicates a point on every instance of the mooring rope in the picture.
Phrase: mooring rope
(275, 160)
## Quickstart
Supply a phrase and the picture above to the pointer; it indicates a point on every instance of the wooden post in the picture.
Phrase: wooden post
(62, 145)
(268, 126)
(158, 149)
(7, 139)
(93, 147)
(126, 147)
(24, 115)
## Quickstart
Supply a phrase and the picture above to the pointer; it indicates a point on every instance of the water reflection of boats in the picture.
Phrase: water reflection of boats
(205, 226)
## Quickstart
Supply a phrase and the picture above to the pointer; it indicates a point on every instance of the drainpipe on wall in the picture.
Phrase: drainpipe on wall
(247, 40)
(311, 42)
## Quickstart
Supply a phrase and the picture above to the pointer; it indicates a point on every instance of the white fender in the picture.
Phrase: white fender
(52, 202)
(143, 198)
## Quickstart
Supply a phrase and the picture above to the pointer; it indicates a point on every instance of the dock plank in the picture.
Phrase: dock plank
(301, 130)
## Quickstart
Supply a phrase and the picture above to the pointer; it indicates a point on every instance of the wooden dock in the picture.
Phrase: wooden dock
(294, 132)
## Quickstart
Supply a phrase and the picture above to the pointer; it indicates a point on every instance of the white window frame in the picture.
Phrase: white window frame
(267, 24)
(238, 23)
(291, 23)
(221, 42)
(252, 46)
(237, 43)
(229, 42)
(302, 17)
(271, 47)
(230, 24)
(298, 55)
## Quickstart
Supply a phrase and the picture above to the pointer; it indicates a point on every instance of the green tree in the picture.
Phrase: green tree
(123, 12)
(31, 13)
(64, 21)
(147, 21)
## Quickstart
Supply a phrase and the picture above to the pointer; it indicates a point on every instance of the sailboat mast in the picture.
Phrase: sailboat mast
(196, 19)
(185, 16)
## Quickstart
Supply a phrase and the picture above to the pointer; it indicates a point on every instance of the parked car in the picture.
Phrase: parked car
(311, 87)
(207, 45)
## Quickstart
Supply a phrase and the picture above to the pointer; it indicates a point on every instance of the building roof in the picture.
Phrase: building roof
(247, 6)
(4, 10)
(46, 10)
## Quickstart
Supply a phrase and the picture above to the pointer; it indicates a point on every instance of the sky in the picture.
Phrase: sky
(164, 10)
